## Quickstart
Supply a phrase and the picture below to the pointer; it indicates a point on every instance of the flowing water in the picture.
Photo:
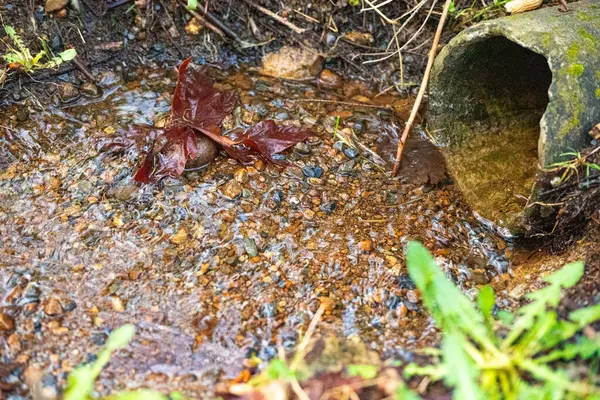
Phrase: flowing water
(224, 262)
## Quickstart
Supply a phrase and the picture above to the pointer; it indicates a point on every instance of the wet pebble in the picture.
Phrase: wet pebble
(517, 292)
(365, 245)
(68, 92)
(53, 307)
(351, 152)
(330, 79)
(126, 192)
(329, 207)
(232, 189)
(268, 310)
(479, 277)
(7, 323)
(302, 148)
(241, 175)
(308, 213)
(22, 114)
(250, 247)
(90, 89)
(278, 196)
(347, 167)
(312, 171)
(108, 78)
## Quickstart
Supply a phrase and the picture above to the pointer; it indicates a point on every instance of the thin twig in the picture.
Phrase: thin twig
(276, 17)
(415, 109)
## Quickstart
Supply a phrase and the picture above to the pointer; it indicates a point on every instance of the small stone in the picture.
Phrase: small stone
(308, 213)
(330, 79)
(207, 152)
(365, 246)
(69, 305)
(68, 92)
(117, 304)
(241, 175)
(517, 292)
(232, 189)
(60, 331)
(14, 343)
(55, 5)
(347, 167)
(351, 152)
(479, 277)
(53, 307)
(329, 207)
(291, 63)
(391, 260)
(108, 78)
(180, 237)
(90, 89)
(312, 171)
(278, 196)
(6, 322)
(126, 192)
(302, 148)
(250, 247)
(260, 165)
(414, 296)
(134, 274)
(22, 114)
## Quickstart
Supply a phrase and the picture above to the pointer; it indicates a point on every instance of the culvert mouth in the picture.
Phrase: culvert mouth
(492, 97)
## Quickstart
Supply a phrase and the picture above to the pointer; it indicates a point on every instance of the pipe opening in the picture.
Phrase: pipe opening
(491, 95)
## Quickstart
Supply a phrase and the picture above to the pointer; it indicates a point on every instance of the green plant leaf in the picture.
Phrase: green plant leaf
(486, 300)
(80, 382)
(450, 308)
(68, 54)
(541, 299)
(463, 373)
(365, 371)
(404, 393)
(567, 276)
(192, 5)
(278, 369)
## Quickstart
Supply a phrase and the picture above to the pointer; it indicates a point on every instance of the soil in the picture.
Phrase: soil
(229, 261)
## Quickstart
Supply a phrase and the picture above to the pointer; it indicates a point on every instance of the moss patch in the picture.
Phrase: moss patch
(573, 52)
(597, 93)
(576, 70)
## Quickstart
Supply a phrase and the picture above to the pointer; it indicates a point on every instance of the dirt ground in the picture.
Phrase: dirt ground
(231, 261)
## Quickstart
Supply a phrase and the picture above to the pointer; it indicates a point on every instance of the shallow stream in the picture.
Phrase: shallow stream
(228, 261)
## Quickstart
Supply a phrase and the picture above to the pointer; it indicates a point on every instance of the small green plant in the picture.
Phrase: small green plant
(80, 383)
(479, 363)
(192, 5)
(353, 3)
(571, 167)
(18, 56)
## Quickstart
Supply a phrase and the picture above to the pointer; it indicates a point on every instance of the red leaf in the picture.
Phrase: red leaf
(180, 143)
(197, 103)
(199, 107)
(266, 139)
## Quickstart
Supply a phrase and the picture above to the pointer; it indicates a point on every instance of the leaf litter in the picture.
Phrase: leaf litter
(199, 108)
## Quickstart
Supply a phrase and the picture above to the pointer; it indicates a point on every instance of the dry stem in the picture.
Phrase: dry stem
(276, 17)
(415, 109)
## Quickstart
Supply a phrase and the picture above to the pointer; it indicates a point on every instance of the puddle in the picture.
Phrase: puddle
(207, 280)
